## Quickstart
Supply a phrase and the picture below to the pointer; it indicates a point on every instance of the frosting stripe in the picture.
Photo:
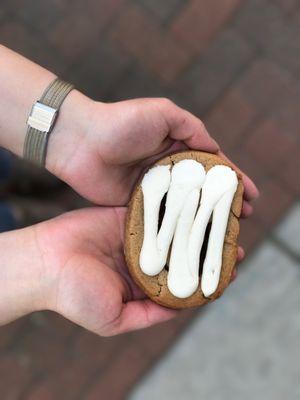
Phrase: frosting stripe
(185, 222)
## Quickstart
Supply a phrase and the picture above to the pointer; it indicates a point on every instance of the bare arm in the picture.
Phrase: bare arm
(22, 83)
(99, 149)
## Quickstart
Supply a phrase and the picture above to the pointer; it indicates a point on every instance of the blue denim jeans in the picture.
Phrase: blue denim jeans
(7, 220)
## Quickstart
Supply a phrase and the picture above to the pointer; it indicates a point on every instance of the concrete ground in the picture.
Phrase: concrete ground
(246, 345)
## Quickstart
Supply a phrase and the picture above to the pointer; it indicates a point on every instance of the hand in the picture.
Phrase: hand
(99, 149)
(108, 148)
(74, 265)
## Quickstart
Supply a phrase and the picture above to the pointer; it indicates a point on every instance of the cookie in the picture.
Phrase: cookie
(162, 274)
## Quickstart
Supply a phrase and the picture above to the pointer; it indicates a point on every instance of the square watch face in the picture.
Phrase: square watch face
(42, 117)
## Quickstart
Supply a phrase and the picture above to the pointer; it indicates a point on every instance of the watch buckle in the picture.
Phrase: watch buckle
(42, 117)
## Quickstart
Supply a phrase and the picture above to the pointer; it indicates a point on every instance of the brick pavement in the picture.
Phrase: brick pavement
(237, 66)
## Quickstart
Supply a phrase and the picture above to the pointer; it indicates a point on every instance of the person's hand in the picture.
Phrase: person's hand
(107, 146)
(93, 287)
(74, 265)
(99, 149)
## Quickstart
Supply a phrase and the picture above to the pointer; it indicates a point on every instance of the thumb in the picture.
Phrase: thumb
(140, 314)
(186, 127)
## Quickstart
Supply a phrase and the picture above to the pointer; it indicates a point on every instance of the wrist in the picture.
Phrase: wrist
(68, 132)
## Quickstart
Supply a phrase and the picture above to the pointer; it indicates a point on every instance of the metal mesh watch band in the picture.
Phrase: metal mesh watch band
(42, 120)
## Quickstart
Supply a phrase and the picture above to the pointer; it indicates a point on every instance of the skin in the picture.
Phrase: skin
(74, 264)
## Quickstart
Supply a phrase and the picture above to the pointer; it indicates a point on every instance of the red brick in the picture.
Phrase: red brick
(138, 34)
(120, 375)
(167, 60)
(200, 21)
(101, 69)
(249, 166)
(212, 74)
(264, 84)
(284, 51)
(290, 171)
(15, 376)
(287, 5)
(41, 346)
(65, 383)
(94, 350)
(73, 35)
(139, 353)
(10, 332)
(86, 356)
(286, 112)
(273, 202)
(157, 339)
(42, 15)
(41, 390)
(296, 16)
(100, 11)
(42, 353)
(80, 28)
(229, 118)
(163, 10)
(20, 39)
(68, 380)
(59, 325)
(269, 145)
(261, 22)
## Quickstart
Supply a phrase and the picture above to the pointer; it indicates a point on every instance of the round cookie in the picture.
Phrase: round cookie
(156, 286)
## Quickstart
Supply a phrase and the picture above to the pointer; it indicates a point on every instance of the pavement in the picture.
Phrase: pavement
(247, 345)
(236, 65)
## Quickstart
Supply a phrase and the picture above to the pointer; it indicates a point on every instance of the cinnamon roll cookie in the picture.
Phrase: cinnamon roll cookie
(182, 228)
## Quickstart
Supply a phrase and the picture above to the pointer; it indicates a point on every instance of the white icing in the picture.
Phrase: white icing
(220, 183)
(185, 225)
(155, 184)
(181, 282)
(186, 176)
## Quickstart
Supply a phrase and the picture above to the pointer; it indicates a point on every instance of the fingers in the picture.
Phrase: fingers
(233, 275)
(241, 254)
(185, 127)
(251, 191)
(176, 146)
(141, 314)
(240, 257)
(247, 209)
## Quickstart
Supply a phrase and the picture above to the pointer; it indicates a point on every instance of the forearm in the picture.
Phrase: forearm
(22, 83)
(24, 282)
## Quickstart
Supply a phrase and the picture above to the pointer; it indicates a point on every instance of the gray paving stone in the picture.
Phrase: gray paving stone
(289, 230)
(245, 346)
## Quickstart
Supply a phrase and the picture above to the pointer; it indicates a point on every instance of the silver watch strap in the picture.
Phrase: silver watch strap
(42, 120)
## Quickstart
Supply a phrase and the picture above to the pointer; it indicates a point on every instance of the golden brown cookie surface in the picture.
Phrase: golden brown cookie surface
(156, 286)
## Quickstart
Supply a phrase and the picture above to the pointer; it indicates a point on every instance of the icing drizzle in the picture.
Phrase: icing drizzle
(185, 222)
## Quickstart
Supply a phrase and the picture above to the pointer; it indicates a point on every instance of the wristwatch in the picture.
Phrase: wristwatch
(42, 120)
